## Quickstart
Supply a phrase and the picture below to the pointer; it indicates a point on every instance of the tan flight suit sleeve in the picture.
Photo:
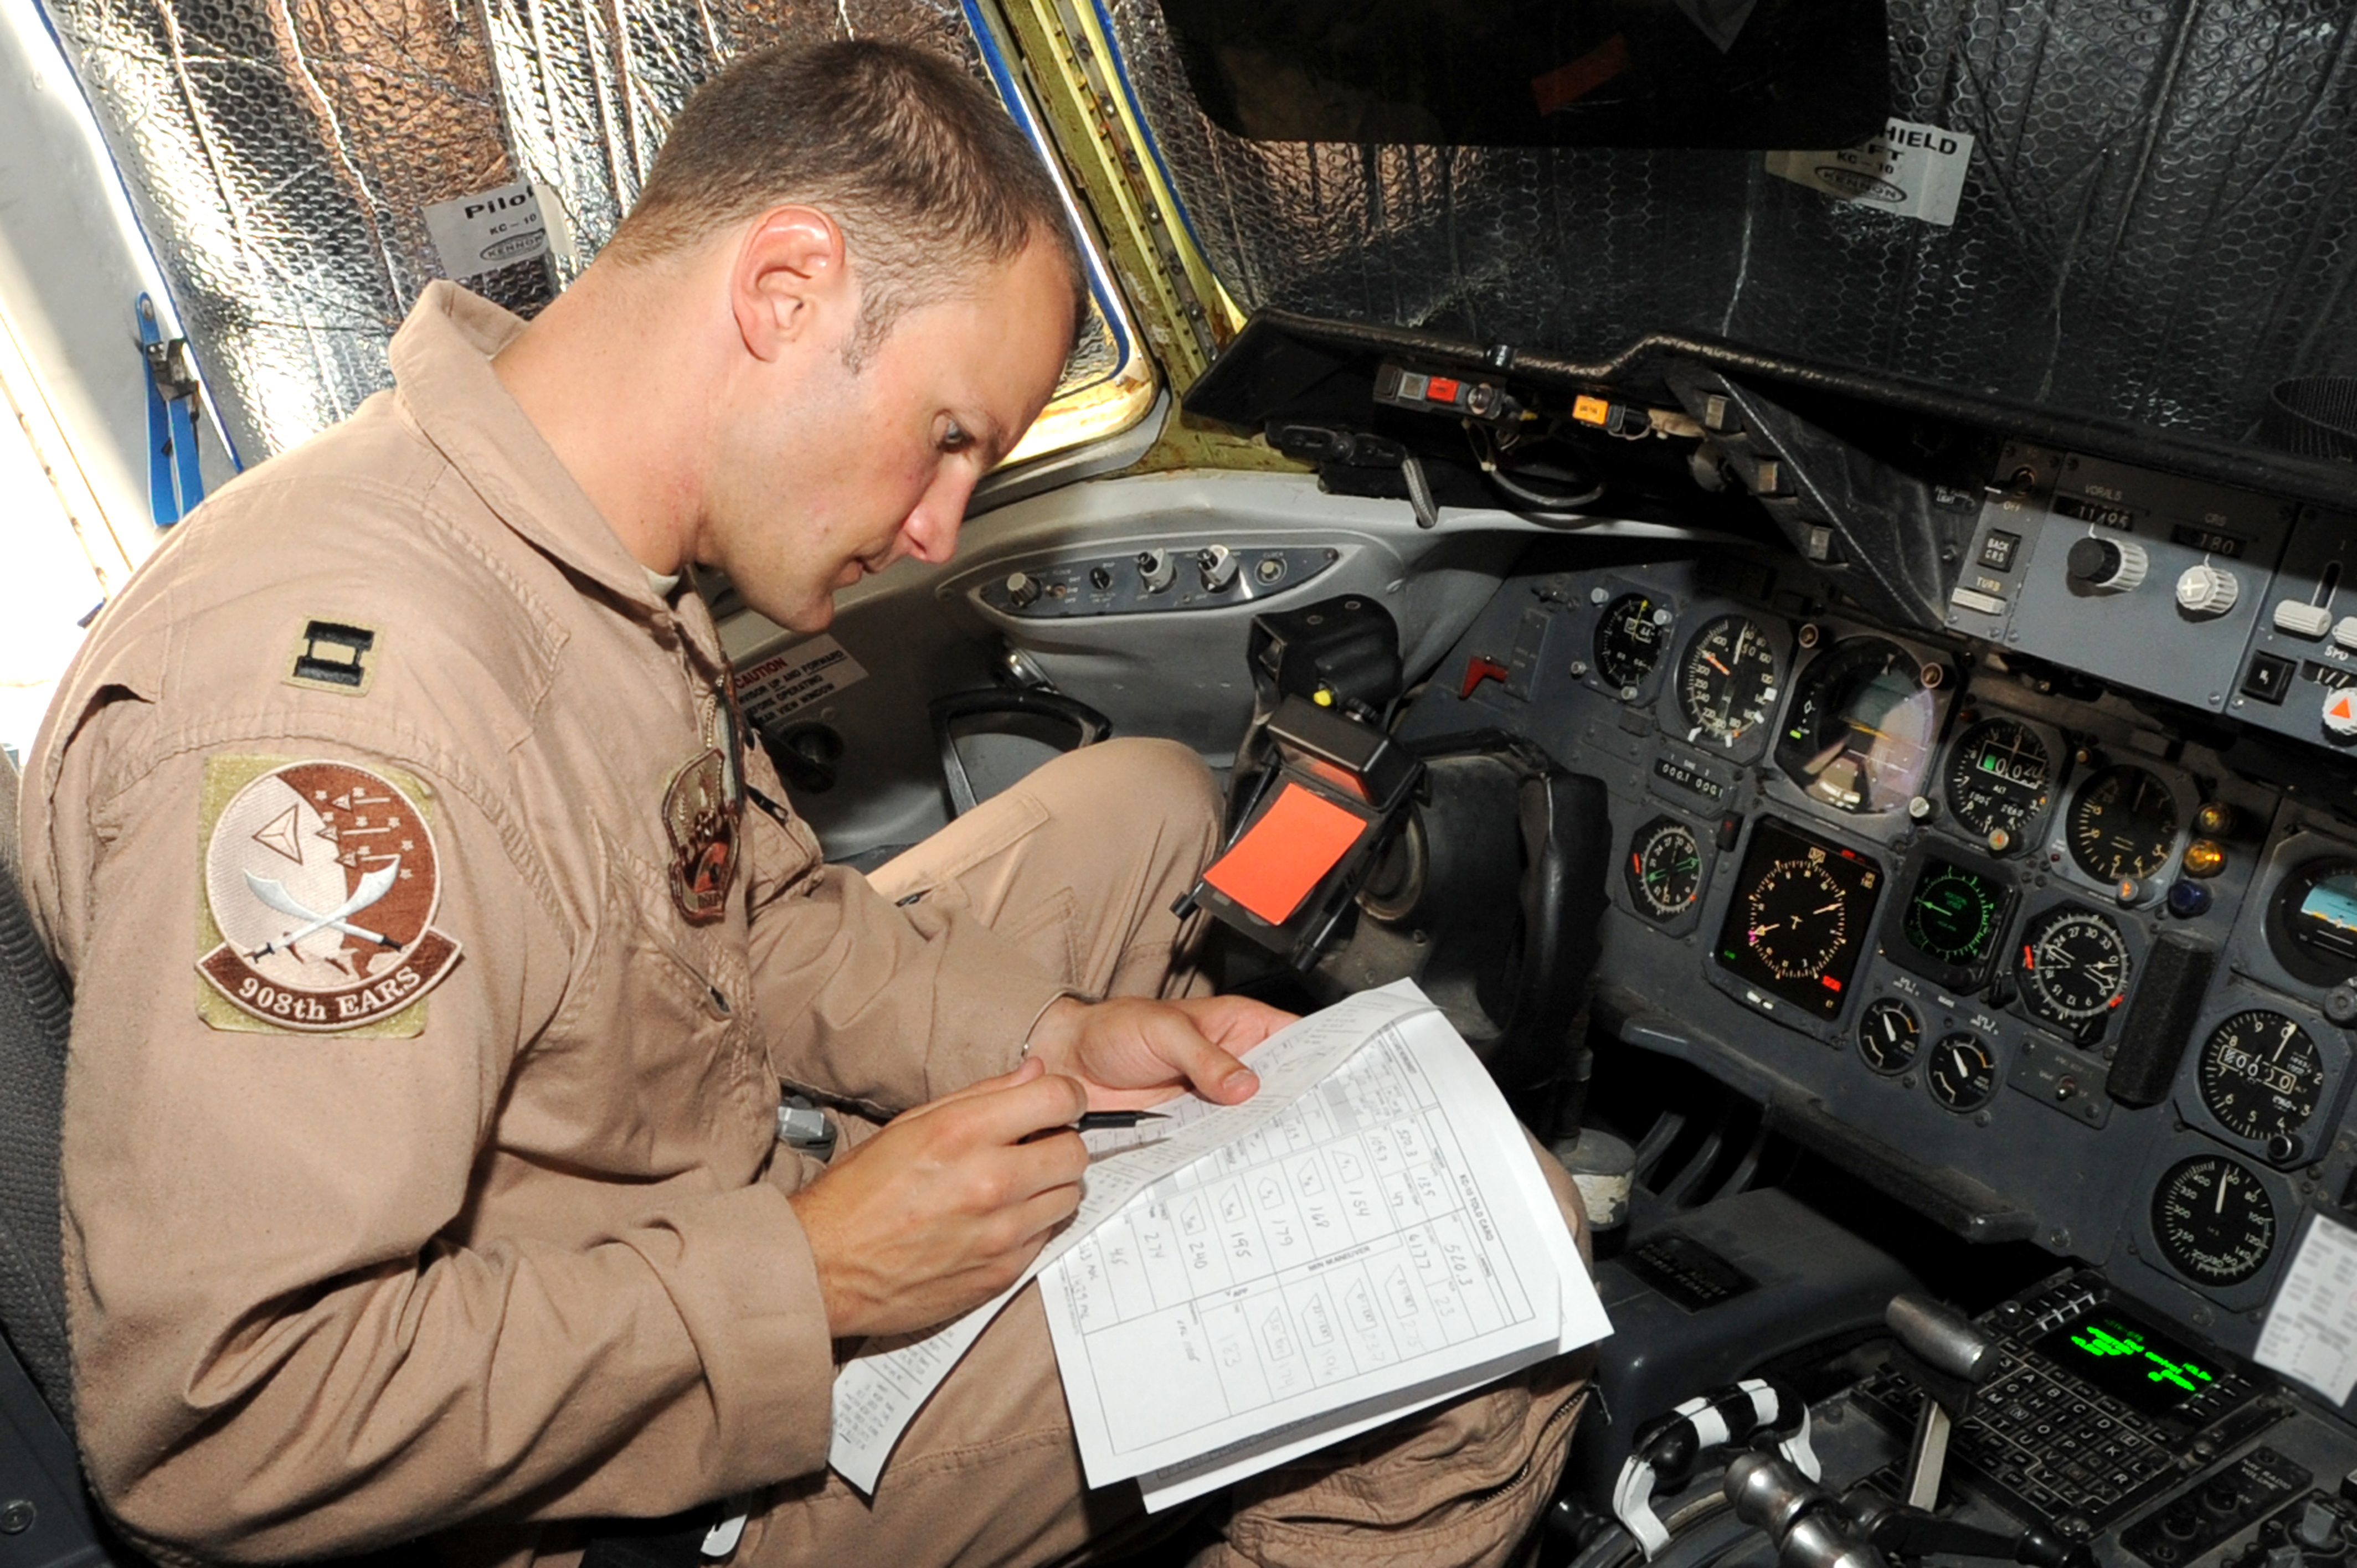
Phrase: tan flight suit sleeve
(277, 1353)
(883, 1005)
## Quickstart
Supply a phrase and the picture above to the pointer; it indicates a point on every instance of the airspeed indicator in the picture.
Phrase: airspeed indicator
(2214, 1221)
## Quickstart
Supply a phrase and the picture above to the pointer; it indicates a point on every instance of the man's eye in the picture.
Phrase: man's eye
(954, 438)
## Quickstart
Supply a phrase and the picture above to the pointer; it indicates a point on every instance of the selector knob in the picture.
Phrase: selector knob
(2207, 590)
(2319, 1526)
(2344, 632)
(1022, 589)
(1219, 567)
(2116, 564)
(2341, 713)
(1156, 570)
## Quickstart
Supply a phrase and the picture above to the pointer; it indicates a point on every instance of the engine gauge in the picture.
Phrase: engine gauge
(2261, 1075)
(1998, 778)
(2214, 1221)
(1859, 735)
(2123, 824)
(1960, 1071)
(1726, 683)
(1665, 868)
(1887, 1034)
(2074, 968)
(1629, 640)
(1798, 917)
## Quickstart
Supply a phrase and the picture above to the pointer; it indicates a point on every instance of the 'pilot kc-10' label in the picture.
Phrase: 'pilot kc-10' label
(322, 881)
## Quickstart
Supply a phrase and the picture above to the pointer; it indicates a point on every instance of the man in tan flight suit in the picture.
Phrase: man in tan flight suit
(438, 948)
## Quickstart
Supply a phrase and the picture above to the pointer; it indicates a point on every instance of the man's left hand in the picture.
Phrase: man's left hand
(1132, 1051)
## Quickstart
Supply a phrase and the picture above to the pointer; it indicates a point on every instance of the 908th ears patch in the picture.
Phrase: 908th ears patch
(322, 881)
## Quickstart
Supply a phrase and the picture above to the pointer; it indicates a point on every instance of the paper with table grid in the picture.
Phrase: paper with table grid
(1383, 1243)
(1457, 1190)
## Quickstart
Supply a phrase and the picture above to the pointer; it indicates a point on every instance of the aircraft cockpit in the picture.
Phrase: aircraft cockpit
(1874, 632)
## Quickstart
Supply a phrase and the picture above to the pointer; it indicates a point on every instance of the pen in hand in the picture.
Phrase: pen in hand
(1099, 1120)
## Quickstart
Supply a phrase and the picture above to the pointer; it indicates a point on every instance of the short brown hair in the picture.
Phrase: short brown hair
(925, 171)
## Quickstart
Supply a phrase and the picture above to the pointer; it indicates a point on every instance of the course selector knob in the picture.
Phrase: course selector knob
(2206, 590)
(1022, 589)
(2117, 564)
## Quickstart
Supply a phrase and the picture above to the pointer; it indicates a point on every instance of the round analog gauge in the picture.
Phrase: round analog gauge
(1859, 734)
(2261, 1075)
(2075, 966)
(2123, 824)
(1726, 683)
(1799, 918)
(1665, 868)
(1961, 1073)
(1998, 777)
(1629, 640)
(1953, 915)
(2312, 920)
(2214, 1220)
(1887, 1034)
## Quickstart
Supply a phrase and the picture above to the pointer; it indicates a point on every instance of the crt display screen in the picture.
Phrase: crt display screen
(1802, 910)
(2141, 1367)
(1955, 914)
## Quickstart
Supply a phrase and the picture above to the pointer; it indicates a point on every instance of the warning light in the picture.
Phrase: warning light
(1591, 411)
(1830, 982)
(1442, 388)
(2204, 857)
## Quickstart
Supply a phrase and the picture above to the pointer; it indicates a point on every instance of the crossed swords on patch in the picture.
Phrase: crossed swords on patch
(373, 885)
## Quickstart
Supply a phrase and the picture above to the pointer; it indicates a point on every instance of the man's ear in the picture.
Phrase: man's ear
(790, 278)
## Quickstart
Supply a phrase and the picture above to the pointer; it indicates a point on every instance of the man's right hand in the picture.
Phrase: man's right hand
(941, 1209)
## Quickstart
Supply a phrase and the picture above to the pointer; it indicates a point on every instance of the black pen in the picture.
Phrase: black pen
(1098, 1122)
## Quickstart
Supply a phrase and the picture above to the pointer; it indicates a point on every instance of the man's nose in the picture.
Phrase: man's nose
(932, 527)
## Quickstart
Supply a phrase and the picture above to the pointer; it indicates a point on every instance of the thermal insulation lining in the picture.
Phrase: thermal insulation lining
(2158, 222)
(281, 155)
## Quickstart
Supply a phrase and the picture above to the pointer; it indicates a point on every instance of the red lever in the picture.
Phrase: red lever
(1478, 670)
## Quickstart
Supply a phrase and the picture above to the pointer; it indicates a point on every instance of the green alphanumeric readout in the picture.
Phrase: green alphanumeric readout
(2107, 1337)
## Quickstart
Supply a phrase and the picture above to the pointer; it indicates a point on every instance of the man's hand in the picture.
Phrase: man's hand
(1131, 1051)
(941, 1209)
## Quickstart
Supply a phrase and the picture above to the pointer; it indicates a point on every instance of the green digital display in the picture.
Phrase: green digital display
(2142, 1368)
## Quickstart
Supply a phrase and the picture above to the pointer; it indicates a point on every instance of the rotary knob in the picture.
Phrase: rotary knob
(2116, 564)
(1155, 569)
(1219, 568)
(2341, 713)
(2206, 590)
(1022, 590)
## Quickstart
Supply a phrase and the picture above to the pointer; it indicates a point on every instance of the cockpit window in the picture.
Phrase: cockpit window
(301, 173)
(2129, 209)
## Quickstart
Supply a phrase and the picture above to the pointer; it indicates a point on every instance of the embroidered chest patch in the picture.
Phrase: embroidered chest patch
(703, 811)
(322, 881)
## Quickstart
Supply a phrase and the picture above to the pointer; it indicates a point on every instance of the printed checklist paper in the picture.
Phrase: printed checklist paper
(1368, 1235)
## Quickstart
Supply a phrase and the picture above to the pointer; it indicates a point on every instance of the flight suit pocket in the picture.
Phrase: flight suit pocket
(657, 1038)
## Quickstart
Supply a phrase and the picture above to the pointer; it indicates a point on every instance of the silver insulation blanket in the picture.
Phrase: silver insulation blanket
(2159, 220)
(281, 154)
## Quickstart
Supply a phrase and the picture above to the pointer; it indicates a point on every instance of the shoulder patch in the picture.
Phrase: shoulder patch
(322, 881)
(334, 655)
